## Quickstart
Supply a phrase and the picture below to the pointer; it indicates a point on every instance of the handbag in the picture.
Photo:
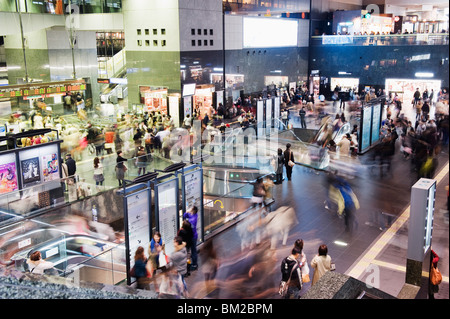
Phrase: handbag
(435, 275)
(290, 163)
(332, 266)
(132, 272)
(305, 278)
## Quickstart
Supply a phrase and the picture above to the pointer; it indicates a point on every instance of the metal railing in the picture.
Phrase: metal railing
(382, 39)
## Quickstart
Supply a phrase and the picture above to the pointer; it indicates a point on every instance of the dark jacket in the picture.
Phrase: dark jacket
(187, 235)
(71, 166)
(280, 164)
(288, 271)
(288, 155)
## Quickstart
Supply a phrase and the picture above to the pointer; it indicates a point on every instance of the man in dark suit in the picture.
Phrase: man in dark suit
(288, 156)
(71, 165)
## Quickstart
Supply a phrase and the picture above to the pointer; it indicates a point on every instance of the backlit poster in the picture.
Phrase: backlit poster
(138, 221)
(8, 178)
(276, 111)
(174, 110)
(31, 174)
(376, 123)
(366, 123)
(167, 199)
(50, 167)
(193, 191)
(268, 115)
(187, 105)
(260, 116)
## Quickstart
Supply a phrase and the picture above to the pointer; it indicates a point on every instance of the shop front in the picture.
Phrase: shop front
(405, 88)
(54, 98)
(203, 100)
(345, 84)
(154, 98)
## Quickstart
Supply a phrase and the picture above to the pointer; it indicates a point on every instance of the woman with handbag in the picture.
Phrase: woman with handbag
(289, 160)
(321, 263)
(141, 270)
(435, 275)
(302, 261)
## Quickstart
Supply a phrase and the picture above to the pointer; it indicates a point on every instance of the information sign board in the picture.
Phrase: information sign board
(166, 195)
(137, 208)
(193, 196)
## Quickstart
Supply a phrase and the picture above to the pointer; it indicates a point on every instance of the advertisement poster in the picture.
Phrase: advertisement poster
(50, 167)
(8, 178)
(30, 171)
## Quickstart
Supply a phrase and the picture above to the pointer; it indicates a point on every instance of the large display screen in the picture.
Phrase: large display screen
(366, 122)
(376, 123)
(270, 32)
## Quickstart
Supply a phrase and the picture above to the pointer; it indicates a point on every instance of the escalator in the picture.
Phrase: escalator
(79, 257)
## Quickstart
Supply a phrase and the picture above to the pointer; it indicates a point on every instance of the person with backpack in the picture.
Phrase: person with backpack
(291, 275)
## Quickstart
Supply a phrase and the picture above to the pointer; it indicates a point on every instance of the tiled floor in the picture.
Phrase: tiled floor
(383, 200)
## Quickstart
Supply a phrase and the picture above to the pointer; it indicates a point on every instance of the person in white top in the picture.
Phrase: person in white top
(321, 263)
(344, 145)
(37, 265)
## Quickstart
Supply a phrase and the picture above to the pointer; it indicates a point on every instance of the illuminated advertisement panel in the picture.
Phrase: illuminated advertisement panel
(270, 32)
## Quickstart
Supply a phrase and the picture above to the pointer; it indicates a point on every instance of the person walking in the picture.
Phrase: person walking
(285, 118)
(98, 172)
(178, 260)
(141, 271)
(279, 167)
(291, 275)
(289, 160)
(71, 166)
(141, 160)
(321, 263)
(192, 217)
(302, 261)
(302, 114)
(121, 168)
(187, 235)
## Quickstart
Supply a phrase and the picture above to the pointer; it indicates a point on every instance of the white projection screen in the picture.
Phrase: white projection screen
(270, 32)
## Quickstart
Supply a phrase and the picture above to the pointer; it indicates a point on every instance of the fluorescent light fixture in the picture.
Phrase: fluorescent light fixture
(421, 57)
(424, 75)
(218, 69)
(182, 66)
(344, 73)
(275, 71)
(340, 243)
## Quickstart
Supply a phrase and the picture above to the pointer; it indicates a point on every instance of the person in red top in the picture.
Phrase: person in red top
(433, 289)
(109, 140)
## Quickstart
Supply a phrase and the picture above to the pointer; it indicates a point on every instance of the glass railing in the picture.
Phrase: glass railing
(382, 39)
